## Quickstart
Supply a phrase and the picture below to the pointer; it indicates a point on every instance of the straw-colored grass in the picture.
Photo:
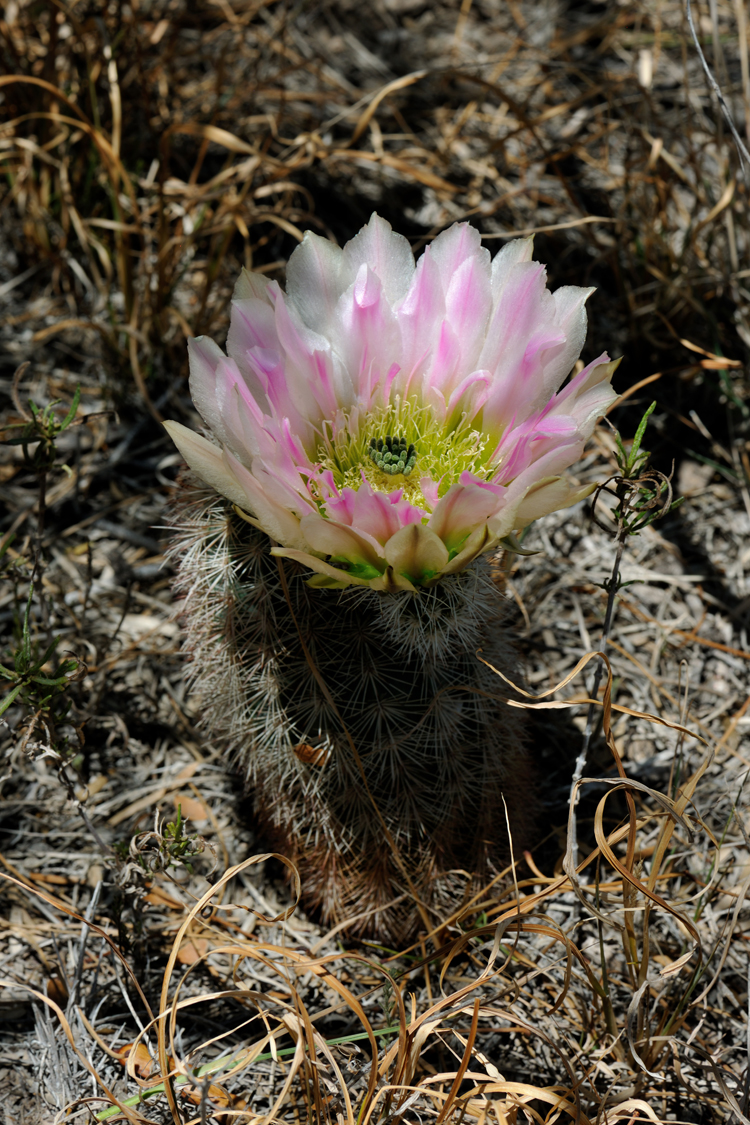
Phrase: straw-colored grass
(147, 152)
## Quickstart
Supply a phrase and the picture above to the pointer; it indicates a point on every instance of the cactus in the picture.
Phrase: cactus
(336, 701)
(376, 432)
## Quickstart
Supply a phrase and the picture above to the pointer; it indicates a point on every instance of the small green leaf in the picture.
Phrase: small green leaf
(48, 653)
(9, 698)
(635, 447)
(73, 409)
(622, 458)
(26, 635)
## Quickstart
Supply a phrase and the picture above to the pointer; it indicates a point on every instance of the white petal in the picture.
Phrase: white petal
(549, 497)
(570, 302)
(388, 255)
(250, 285)
(206, 460)
(519, 250)
(204, 356)
(314, 280)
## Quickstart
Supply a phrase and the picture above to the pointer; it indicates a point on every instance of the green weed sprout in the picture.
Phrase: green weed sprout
(643, 495)
(30, 684)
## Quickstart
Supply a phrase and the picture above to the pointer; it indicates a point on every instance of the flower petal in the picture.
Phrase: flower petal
(570, 304)
(315, 279)
(549, 496)
(205, 459)
(416, 552)
(469, 304)
(589, 394)
(341, 542)
(250, 284)
(513, 253)
(340, 578)
(466, 505)
(378, 515)
(204, 357)
(480, 540)
(386, 253)
(277, 521)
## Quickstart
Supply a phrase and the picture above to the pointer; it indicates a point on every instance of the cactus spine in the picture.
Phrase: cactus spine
(434, 746)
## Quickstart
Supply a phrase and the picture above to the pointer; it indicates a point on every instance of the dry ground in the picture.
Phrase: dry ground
(147, 153)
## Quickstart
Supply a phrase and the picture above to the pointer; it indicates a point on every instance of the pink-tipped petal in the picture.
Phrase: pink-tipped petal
(420, 315)
(378, 515)
(469, 396)
(429, 489)
(466, 505)
(468, 306)
(367, 333)
(457, 245)
(521, 329)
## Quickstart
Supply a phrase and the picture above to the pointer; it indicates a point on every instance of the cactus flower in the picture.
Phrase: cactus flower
(386, 422)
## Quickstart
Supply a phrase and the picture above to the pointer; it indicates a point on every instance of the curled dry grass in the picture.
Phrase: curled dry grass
(593, 1017)
(146, 155)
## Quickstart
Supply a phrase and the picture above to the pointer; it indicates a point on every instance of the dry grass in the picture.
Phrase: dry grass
(147, 152)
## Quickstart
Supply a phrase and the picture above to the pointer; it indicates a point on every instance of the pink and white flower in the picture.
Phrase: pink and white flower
(385, 422)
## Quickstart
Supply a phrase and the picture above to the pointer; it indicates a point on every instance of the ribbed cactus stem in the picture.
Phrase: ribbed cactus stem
(334, 701)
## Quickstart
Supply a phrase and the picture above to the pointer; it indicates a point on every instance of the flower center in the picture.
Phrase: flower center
(393, 455)
(391, 442)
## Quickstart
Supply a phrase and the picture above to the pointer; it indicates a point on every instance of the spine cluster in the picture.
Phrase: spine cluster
(435, 745)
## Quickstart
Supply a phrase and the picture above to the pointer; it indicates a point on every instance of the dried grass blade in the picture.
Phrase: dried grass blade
(453, 1092)
(212, 133)
(390, 88)
(164, 1007)
(627, 874)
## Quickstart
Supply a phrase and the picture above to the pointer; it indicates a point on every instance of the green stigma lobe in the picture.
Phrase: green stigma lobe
(392, 455)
